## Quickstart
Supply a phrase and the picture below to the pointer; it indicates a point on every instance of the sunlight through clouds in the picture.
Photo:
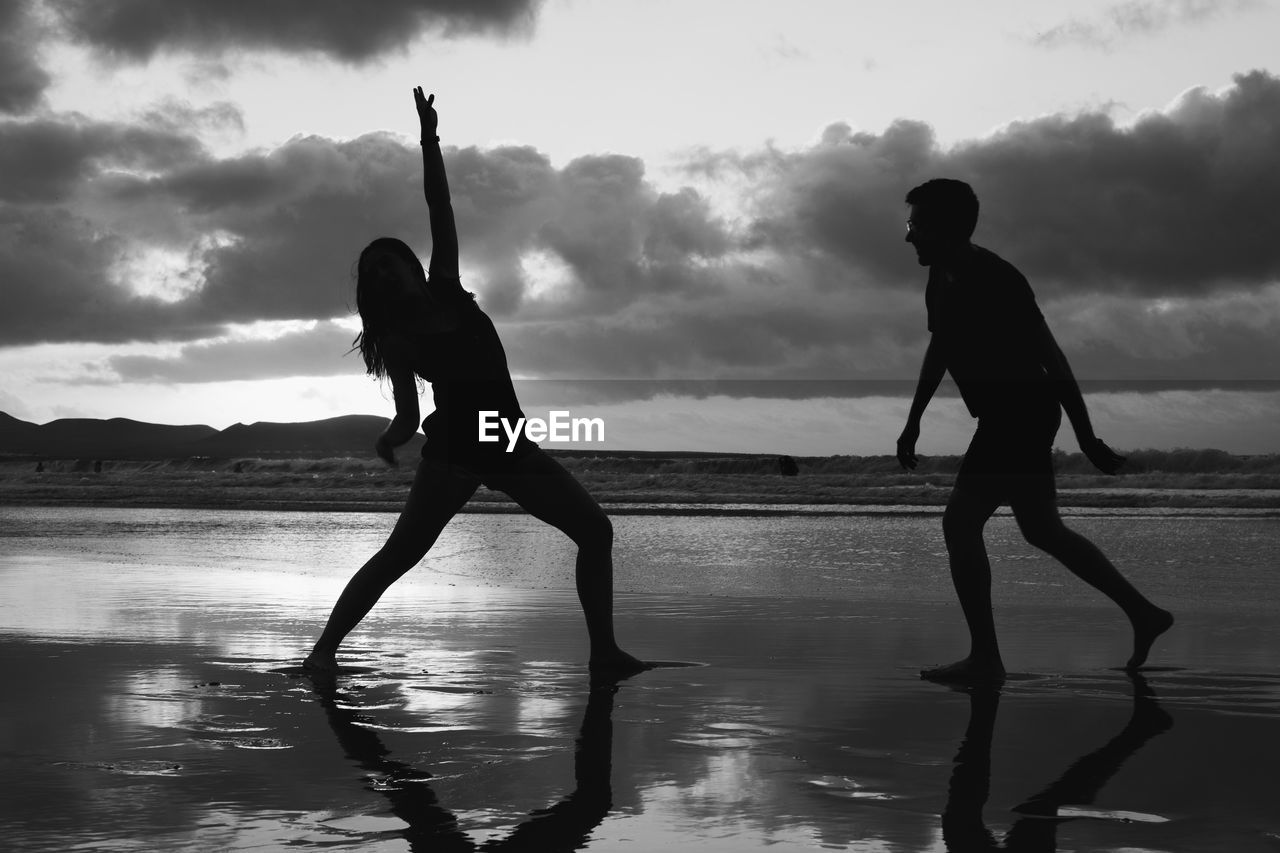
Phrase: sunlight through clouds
(168, 275)
(546, 276)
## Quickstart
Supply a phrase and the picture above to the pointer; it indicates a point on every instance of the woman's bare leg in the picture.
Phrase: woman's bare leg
(438, 492)
(550, 493)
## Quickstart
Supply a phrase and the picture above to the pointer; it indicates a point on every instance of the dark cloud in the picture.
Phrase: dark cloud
(274, 235)
(321, 351)
(1226, 337)
(55, 284)
(749, 333)
(62, 243)
(842, 200)
(601, 234)
(1135, 18)
(49, 158)
(297, 219)
(22, 80)
(268, 236)
(213, 30)
(1181, 202)
(1151, 247)
(136, 30)
(500, 199)
(683, 226)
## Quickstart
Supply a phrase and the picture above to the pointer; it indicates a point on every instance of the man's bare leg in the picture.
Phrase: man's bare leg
(1043, 528)
(966, 516)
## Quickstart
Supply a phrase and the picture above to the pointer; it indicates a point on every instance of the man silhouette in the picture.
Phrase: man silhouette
(987, 331)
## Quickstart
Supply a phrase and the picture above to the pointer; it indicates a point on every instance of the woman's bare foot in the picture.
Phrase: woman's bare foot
(1145, 631)
(616, 662)
(321, 662)
(971, 670)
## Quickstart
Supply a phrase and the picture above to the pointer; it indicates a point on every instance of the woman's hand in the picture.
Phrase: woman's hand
(426, 113)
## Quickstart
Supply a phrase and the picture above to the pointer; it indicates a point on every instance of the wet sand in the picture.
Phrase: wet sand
(146, 713)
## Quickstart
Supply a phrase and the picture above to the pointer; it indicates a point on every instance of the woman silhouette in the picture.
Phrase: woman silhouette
(416, 325)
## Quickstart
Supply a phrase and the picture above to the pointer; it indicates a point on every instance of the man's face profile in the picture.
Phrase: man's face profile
(921, 235)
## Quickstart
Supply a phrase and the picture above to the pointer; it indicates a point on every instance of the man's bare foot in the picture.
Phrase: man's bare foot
(1145, 631)
(319, 662)
(616, 663)
(970, 671)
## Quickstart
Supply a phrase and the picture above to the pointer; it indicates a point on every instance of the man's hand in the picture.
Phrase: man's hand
(907, 446)
(385, 450)
(1103, 458)
(426, 113)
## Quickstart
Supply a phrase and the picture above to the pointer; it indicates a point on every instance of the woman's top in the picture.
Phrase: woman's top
(467, 369)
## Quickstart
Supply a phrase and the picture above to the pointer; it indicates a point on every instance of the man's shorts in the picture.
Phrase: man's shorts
(1010, 458)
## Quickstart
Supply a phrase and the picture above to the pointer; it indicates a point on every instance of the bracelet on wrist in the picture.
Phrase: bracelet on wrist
(424, 140)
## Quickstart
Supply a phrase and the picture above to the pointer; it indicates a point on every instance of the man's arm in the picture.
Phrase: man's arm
(435, 186)
(1068, 393)
(931, 373)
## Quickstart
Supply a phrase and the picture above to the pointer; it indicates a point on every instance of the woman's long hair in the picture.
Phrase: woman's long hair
(373, 302)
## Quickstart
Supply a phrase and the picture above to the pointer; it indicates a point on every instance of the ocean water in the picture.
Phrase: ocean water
(152, 700)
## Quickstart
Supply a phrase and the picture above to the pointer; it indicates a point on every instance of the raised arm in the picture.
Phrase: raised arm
(931, 373)
(1068, 392)
(435, 186)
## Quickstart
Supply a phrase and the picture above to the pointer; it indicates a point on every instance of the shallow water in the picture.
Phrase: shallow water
(152, 705)
(1221, 561)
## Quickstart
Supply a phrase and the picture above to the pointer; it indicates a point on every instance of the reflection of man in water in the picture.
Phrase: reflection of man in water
(988, 333)
(963, 828)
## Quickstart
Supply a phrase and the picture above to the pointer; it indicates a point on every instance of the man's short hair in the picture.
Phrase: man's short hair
(952, 205)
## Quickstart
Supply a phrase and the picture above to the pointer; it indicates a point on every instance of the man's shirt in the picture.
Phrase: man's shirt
(986, 322)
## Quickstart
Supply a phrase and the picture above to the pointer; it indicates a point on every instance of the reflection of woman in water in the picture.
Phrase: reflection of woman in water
(566, 825)
(427, 326)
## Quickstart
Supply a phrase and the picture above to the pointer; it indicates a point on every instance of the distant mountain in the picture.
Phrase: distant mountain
(349, 435)
(84, 437)
(16, 433)
(121, 438)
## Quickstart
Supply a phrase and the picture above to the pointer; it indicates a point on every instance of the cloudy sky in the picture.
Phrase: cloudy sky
(689, 214)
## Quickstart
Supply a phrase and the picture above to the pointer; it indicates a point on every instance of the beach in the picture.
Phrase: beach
(155, 702)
